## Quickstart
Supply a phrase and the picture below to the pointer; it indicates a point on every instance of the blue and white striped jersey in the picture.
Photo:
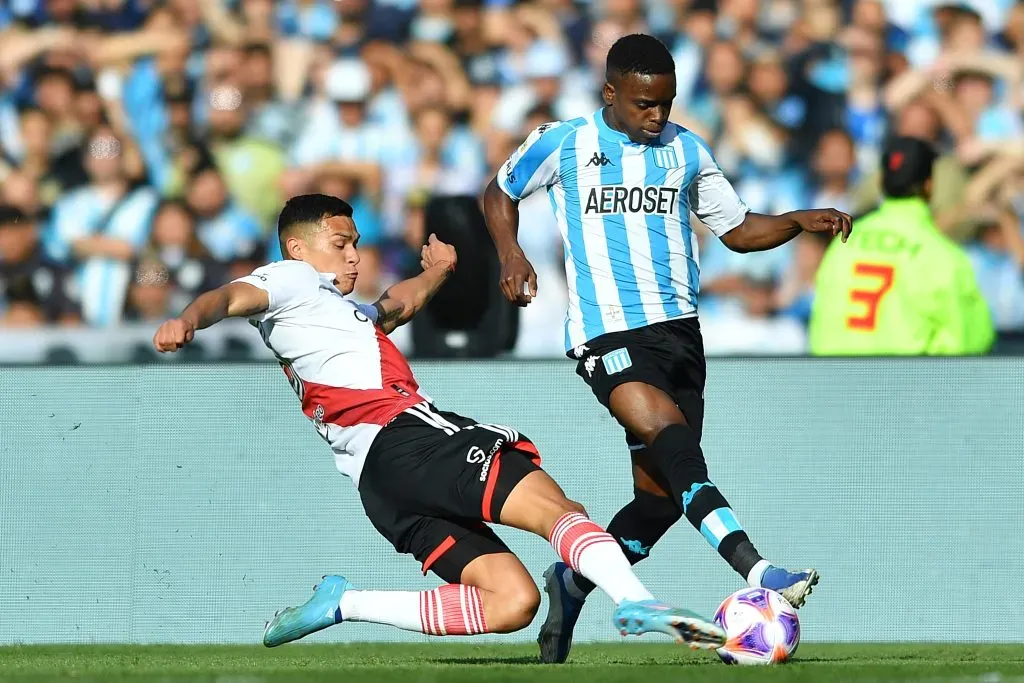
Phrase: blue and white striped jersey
(624, 213)
(103, 282)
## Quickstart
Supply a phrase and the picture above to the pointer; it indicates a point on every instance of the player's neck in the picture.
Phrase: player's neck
(608, 116)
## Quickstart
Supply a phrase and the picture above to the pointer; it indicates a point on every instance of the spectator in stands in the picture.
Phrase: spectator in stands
(22, 191)
(28, 278)
(389, 102)
(224, 228)
(150, 292)
(175, 243)
(795, 294)
(997, 255)
(899, 286)
(834, 171)
(250, 166)
(446, 162)
(921, 119)
(753, 328)
(100, 227)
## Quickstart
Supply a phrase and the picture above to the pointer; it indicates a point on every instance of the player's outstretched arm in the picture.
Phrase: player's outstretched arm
(401, 302)
(502, 218)
(236, 299)
(759, 232)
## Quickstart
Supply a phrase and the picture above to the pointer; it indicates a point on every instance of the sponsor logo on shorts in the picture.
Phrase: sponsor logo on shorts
(486, 459)
(617, 361)
(589, 364)
(580, 351)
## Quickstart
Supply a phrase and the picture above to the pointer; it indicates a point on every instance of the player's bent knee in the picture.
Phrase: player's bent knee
(515, 607)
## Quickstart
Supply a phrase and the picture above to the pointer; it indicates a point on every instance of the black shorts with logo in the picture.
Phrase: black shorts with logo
(668, 355)
(433, 479)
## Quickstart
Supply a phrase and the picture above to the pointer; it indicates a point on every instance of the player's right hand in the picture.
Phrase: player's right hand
(516, 274)
(173, 335)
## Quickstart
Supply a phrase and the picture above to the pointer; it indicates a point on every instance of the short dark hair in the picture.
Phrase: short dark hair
(639, 53)
(63, 74)
(11, 215)
(906, 166)
(307, 211)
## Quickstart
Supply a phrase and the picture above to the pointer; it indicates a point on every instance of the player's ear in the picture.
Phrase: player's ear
(293, 248)
(608, 93)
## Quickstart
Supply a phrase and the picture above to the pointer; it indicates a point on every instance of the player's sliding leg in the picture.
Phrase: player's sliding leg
(657, 421)
(636, 527)
(496, 595)
(539, 505)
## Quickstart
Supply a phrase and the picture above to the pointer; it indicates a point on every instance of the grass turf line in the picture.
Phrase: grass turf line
(458, 662)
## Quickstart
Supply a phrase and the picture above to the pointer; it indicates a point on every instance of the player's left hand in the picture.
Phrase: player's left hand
(436, 253)
(825, 220)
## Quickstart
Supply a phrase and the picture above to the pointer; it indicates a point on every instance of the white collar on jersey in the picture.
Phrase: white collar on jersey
(328, 279)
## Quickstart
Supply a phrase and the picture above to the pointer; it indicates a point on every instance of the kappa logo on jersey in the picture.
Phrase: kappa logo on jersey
(616, 361)
(614, 199)
(599, 159)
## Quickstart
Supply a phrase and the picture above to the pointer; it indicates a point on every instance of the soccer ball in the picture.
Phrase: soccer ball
(760, 627)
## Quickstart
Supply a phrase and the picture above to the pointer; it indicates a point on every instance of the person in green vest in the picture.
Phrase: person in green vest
(899, 287)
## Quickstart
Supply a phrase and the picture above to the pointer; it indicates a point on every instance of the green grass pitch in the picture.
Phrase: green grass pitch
(456, 662)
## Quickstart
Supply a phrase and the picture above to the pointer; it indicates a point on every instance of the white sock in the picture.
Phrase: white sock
(756, 573)
(592, 552)
(452, 609)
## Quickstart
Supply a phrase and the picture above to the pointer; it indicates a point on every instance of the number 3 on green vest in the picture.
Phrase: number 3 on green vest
(878, 281)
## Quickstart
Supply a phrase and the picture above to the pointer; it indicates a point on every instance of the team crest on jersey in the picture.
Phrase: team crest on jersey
(665, 157)
(617, 361)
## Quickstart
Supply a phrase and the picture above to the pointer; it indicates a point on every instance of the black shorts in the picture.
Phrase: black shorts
(668, 355)
(433, 479)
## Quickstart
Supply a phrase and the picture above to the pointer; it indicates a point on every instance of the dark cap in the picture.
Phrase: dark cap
(12, 215)
(178, 89)
(906, 165)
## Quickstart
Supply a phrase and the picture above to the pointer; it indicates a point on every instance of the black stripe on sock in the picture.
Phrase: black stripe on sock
(705, 501)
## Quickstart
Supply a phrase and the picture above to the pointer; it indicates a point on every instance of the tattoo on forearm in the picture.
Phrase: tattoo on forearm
(387, 315)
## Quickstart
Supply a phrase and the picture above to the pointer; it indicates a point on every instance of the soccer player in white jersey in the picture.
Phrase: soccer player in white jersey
(429, 480)
(622, 185)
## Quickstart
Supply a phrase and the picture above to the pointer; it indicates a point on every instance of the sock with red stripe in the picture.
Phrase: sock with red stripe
(592, 552)
(450, 610)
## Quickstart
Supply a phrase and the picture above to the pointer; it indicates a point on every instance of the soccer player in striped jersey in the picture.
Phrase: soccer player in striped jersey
(622, 184)
(429, 480)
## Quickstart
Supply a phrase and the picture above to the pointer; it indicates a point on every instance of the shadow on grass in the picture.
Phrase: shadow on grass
(488, 661)
(527, 660)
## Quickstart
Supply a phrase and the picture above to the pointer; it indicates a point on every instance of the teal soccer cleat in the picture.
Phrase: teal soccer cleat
(635, 618)
(319, 612)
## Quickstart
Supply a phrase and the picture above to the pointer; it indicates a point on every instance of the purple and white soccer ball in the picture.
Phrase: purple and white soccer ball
(761, 627)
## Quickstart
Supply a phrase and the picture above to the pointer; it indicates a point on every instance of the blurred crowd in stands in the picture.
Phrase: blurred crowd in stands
(146, 146)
